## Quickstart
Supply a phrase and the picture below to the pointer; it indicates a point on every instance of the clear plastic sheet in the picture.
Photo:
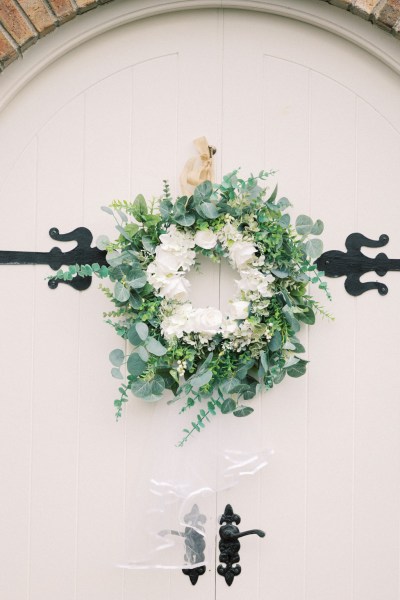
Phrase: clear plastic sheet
(171, 509)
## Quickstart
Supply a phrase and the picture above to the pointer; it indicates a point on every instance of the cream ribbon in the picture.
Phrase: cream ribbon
(198, 168)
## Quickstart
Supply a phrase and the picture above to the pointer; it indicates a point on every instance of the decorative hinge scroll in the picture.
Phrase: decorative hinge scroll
(82, 254)
(353, 264)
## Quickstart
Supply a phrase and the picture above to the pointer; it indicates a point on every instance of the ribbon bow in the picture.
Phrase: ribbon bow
(198, 168)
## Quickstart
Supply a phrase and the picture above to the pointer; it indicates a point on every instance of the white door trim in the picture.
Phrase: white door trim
(344, 24)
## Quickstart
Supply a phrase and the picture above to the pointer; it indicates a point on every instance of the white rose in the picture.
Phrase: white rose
(175, 324)
(176, 241)
(239, 310)
(229, 327)
(206, 321)
(167, 262)
(205, 239)
(250, 279)
(175, 288)
(264, 287)
(241, 253)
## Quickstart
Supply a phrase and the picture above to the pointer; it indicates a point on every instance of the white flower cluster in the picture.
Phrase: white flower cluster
(175, 256)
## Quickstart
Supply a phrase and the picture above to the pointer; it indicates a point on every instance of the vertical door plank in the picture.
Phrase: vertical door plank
(243, 146)
(331, 384)
(152, 430)
(154, 124)
(153, 139)
(17, 231)
(101, 441)
(287, 138)
(56, 368)
(377, 410)
(200, 85)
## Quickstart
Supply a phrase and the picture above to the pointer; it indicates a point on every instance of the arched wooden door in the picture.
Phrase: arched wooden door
(113, 118)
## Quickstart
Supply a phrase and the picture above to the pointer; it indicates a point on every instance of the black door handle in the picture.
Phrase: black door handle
(229, 544)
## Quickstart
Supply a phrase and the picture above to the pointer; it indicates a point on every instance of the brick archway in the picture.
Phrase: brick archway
(24, 22)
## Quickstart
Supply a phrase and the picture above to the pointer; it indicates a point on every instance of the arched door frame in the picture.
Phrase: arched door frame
(322, 15)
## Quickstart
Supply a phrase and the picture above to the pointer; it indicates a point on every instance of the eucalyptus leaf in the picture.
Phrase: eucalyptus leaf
(314, 248)
(114, 258)
(298, 369)
(122, 215)
(292, 360)
(135, 300)
(304, 225)
(124, 233)
(136, 366)
(185, 220)
(283, 203)
(139, 209)
(284, 221)
(278, 377)
(134, 337)
(275, 341)
(102, 242)
(250, 392)
(107, 210)
(155, 347)
(228, 406)
(141, 388)
(290, 318)
(116, 373)
(148, 244)
(165, 208)
(307, 316)
(137, 279)
(142, 331)
(229, 386)
(157, 385)
(243, 411)
(289, 346)
(273, 195)
(120, 292)
(280, 273)
(318, 227)
(144, 355)
(203, 191)
(198, 381)
(264, 360)
(117, 357)
(243, 369)
(299, 348)
(207, 210)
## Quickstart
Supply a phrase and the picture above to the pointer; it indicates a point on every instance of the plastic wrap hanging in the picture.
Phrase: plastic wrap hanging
(171, 519)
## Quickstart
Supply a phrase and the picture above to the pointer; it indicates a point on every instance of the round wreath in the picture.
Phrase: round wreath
(214, 361)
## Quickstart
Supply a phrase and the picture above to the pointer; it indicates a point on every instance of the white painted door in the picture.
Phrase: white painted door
(114, 118)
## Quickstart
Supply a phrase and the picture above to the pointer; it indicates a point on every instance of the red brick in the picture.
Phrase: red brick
(84, 5)
(7, 51)
(387, 15)
(16, 24)
(63, 9)
(364, 8)
(39, 14)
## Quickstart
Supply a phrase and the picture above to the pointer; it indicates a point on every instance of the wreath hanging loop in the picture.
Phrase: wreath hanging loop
(214, 362)
(198, 168)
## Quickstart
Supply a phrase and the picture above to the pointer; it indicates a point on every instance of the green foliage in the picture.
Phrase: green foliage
(208, 380)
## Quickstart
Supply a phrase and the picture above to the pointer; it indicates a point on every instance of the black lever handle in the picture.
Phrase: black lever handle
(229, 544)
(231, 532)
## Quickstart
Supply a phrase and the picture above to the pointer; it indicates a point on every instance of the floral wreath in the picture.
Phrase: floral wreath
(213, 361)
